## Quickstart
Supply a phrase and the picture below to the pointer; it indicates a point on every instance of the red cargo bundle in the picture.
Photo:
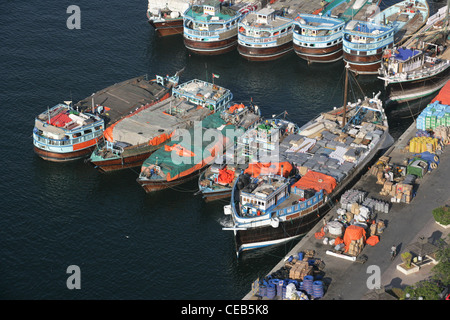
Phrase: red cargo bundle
(225, 176)
(60, 120)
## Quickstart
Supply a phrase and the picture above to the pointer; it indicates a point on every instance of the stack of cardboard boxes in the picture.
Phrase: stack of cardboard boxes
(399, 192)
(355, 247)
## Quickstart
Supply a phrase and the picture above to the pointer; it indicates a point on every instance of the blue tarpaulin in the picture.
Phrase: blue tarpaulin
(405, 54)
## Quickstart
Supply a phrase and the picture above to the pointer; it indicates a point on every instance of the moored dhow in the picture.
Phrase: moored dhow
(318, 38)
(188, 155)
(365, 41)
(63, 134)
(265, 34)
(275, 202)
(166, 16)
(364, 44)
(410, 74)
(406, 17)
(108, 105)
(421, 66)
(210, 27)
(131, 140)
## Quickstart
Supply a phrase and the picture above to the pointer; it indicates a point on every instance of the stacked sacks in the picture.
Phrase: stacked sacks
(423, 144)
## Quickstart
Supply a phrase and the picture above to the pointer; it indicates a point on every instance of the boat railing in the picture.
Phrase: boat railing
(214, 33)
(300, 37)
(266, 217)
(367, 46)
(420, 73)
(66, 141)
(261, 39)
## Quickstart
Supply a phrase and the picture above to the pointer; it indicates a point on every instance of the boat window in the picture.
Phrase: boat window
(98, 128)
(88, 131)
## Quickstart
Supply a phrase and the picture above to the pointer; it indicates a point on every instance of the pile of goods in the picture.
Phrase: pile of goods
(434, 115)
(397, 180)
(299, 279)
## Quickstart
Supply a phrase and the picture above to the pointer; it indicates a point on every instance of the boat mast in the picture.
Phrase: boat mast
(345, 95)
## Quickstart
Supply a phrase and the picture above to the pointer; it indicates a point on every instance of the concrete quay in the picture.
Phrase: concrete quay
(405, 223)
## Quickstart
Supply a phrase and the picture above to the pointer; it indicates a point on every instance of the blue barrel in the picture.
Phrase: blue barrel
(283, 292)
(280, 288)
(300, 286)
(317, 289)
(274, 281)
(308, 284)
(300, 256)
(271, 291)
(262, 290)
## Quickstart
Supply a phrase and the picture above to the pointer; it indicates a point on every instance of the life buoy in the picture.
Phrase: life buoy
(433, 165)
(436, 158)
(274, 222)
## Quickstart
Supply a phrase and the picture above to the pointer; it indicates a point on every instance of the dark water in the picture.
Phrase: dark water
(128, 245)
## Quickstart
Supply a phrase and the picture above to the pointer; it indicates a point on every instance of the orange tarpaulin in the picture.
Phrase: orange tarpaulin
(235, 107)
(373, 240)
(256, 169)
(444, 95)
(181, 151)
(225, 176)
(353, 233)
(317, 181)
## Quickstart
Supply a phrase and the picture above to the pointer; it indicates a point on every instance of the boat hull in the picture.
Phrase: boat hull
(156, 185)
(265, 54)
(286, 230)
(167, 28)
(116, 164)
(64, 157)
(301, 222)
(216, 195)
(211, 47)
(411, 90)
(320, 55)
(364, 64)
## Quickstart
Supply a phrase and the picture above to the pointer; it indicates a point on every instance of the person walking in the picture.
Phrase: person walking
(393, 252)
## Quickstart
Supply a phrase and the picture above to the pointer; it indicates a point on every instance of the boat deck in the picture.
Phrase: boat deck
(355, 9)
(123, 98)
(163, 117)
(294, 6)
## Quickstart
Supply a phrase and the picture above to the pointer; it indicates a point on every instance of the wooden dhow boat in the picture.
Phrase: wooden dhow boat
(131, 140)
(166, 16)
(64, 134)
(364, 42)
(274, 202)
(318, 36)
(211, 26)
(265, 34)
(421, 66)
(192, 152)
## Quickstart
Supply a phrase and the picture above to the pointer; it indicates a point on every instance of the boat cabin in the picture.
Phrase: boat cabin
(405, 60)
(269, 192)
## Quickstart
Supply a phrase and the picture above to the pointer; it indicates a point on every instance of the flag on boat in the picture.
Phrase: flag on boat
(215, 75)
